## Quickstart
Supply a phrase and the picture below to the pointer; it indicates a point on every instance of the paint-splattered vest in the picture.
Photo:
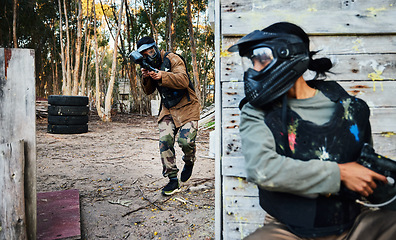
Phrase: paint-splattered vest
(339, 140)
(171, 97)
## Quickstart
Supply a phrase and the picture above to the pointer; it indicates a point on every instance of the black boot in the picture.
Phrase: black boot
(172, 187)
(186, 173)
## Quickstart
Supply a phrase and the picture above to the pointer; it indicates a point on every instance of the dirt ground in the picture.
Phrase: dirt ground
(116, 168)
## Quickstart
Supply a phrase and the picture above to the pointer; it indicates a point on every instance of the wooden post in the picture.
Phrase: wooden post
(218, 128)
(12, 208)
(18, 122)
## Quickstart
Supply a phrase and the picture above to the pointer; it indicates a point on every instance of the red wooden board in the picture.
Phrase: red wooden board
(58, 215)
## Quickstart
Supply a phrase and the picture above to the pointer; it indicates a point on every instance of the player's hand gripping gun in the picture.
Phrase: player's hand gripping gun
(384, 196)
(137, 58)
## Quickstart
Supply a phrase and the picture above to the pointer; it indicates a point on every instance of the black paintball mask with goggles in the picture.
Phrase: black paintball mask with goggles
(152, 61)
(272, 63)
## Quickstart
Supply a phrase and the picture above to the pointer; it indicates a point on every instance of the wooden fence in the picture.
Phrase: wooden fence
(359, 37)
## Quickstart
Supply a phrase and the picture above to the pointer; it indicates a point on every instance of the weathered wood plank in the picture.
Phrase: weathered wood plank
(358, 44)
(58, 215)
(346, 67)
(248, 5)
(237, 186)
(242, 202)
(385, 144)
(231, 118)
(18, 118)
(12, 207)
(232, 94)
(377, 94)
(355, 57)
(383, 120)
(337, 45)
(232, 145)
(363, 67)
(242, 18)
(234, 167)
(233, 231)
(243, 209)
(242, 213)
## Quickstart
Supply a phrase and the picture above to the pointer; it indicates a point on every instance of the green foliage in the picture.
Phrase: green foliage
(209, 125)
(203, 34)
(38, 28)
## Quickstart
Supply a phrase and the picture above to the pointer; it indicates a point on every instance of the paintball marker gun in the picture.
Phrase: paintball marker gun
(384, 195)
(137, 58)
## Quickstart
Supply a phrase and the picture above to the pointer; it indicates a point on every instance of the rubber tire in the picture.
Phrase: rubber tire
(61, 100)
(67, 120)
(68, 110)
(67, 129)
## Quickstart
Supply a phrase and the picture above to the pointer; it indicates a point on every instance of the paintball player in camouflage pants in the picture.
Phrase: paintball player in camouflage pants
(186, 141)
(180, 109)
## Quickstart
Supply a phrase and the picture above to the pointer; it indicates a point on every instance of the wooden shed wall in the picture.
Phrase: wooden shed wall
(360, 38)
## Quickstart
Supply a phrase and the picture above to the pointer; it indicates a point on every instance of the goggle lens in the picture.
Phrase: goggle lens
(259, 59)
(149, 53)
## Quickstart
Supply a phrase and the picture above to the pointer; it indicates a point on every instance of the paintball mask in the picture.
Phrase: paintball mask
(272, 62)
(384, 196)
(153, 57)
(138, 58)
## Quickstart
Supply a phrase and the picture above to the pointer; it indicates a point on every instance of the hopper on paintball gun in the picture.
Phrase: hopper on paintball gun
(384, 195)
(138, 58)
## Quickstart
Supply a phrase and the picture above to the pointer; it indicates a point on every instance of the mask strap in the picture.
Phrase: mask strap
(297, 48)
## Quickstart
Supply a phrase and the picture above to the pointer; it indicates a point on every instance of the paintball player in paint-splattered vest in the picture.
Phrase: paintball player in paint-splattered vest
(180, 109)
(301, 141)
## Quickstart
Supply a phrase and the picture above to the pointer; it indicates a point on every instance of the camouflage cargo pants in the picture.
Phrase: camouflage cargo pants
(186, 141)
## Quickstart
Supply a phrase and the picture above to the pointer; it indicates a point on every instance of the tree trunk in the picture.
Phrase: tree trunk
(153, 31)
(54, 64)
(109, 94)
(97, 85)
(78, 51)
(68, 60)
(193, 52)
(55, 90)
(14, 24)
(128, 26)
(131, 67)
(86, 54)
(85, 65)
(170, 27)
(62, 53)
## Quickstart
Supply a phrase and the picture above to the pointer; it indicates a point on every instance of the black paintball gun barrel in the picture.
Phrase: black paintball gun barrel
(138, 58)
(377, 162)
(384, 195)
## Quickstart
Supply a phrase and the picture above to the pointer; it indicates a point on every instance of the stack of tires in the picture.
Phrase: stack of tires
(67, 114)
